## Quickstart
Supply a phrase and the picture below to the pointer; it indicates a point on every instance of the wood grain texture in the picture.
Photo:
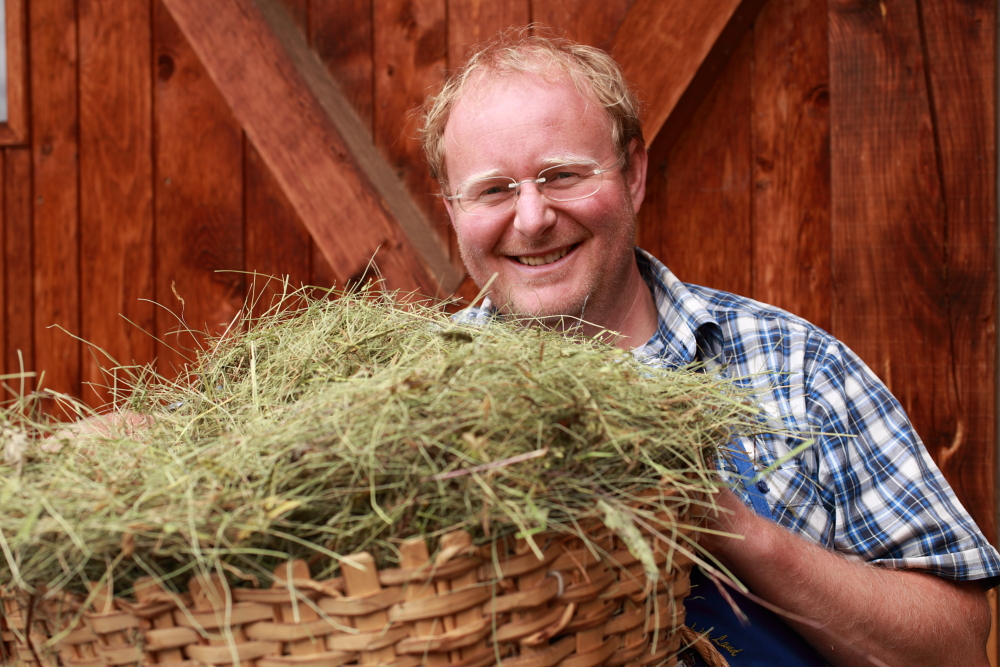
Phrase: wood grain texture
(888, 215)
(313, 143)
(960, 48)
(278, 246)
(4, 272)
(673, 51)
(582, 21)
(18, 235)
(697, 213)
(198, 199)
(411, 54)
(342, 36)
(55, 147)
(471, 22)
(14, 131)
(791, 139)
(116, 189)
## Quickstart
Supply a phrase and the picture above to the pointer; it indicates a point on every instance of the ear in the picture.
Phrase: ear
(636, 175)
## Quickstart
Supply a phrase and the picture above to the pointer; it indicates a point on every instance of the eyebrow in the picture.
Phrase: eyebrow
(552, 161)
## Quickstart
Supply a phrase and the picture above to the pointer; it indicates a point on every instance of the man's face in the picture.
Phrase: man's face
(551, 258)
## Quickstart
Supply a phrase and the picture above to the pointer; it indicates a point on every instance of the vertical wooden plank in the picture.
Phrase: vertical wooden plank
(471, 22)
(891, 303)
(342, 35)
(116, 188)
(696, 217)
(18, 265)
(992, 649)
(411, 50)
(55, 146)
(961, 52)
(791, 137)
(277, 243)
(583, 21)
(4, 272)
(198, 199)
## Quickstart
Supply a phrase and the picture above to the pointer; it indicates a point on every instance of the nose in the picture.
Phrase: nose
(533, 214)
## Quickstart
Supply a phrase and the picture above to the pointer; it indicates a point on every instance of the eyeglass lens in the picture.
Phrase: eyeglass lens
(564, 182)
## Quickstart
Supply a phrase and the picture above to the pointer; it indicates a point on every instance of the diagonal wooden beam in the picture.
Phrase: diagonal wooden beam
(672, 51)
(320, 154)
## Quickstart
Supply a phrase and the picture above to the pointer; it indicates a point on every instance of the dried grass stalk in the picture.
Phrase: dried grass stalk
(350, 424)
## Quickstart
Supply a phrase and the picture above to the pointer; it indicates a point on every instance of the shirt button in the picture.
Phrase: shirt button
(762, 486)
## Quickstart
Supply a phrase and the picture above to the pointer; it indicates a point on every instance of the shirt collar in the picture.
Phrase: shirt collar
(686, 333)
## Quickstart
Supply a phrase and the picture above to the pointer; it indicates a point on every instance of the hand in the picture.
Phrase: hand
(869, 615)
(125, 422)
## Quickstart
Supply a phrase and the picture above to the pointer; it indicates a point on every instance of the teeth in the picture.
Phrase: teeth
(546, 259)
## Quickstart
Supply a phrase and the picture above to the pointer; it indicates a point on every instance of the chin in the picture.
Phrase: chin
(561, 312)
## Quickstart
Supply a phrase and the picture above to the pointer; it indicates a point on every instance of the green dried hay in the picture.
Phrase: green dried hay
(351, 424)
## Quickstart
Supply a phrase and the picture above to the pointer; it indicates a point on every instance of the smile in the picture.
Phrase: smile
(541, 260)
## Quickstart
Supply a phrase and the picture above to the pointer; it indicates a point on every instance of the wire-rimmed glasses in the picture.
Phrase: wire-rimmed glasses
(563, 182)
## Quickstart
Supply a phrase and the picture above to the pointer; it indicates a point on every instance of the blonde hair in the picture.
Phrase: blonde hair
(593, 72)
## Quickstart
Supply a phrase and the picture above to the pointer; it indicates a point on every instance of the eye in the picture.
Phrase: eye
(562, 175)
(567, 176)
(494, 190)
(486, 192)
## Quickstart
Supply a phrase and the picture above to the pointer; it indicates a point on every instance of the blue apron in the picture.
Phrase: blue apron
(767, 641)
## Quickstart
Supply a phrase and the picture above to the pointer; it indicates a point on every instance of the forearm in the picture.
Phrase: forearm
(898, 617)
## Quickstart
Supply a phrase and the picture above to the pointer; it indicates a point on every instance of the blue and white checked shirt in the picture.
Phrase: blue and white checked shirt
(867, 488)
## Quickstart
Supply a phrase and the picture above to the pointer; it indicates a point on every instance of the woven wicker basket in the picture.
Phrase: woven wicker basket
(468, 607)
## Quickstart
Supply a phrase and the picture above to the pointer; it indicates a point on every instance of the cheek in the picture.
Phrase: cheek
(476, 237)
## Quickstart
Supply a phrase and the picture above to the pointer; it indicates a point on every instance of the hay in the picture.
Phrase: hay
(349, 425)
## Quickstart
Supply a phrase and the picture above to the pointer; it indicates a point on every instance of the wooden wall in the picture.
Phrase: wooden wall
(843, 166)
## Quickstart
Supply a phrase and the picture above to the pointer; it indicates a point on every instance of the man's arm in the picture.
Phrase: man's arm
(900, 617)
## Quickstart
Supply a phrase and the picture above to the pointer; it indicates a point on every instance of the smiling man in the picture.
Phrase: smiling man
(538, 149)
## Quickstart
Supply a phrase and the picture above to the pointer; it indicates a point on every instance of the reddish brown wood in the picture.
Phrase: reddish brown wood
(14, 131)
(4, 272)
(55, 146)
(582, 21)
(313, 143)
(341, 34)
(19, 351)
(471, 22)
(888, 215)
(411, 54)
(961, 56)
(698, 204)
(791, 134)
(673, 51)
(198, 199)
(278, 246)
(116, 189)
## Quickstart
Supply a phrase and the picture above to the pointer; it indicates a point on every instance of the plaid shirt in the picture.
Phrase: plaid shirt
(867, 488)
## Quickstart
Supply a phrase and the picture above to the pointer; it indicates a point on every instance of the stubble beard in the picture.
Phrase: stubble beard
(590, 303)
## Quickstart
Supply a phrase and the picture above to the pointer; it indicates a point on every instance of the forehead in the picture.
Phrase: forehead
(517, 123)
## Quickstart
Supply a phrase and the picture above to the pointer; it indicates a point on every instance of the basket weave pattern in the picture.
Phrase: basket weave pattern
(465, 608)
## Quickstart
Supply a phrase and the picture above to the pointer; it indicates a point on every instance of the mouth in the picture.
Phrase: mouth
(542, 260)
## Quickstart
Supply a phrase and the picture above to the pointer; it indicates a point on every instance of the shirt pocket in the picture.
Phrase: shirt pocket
(793, 486)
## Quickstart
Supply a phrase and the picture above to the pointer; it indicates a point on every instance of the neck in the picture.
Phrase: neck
(627, 323)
